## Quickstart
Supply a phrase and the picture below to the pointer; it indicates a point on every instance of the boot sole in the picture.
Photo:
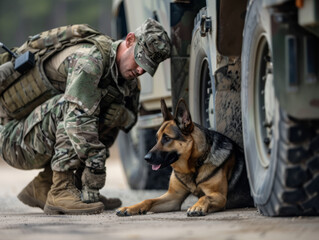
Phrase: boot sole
(30, 201)
(53, 210)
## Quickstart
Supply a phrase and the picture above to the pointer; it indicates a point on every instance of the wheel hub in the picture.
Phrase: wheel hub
(207, 97)
(269, 99)
(265, 101)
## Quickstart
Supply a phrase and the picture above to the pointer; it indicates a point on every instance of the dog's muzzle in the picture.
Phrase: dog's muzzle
(160, 159)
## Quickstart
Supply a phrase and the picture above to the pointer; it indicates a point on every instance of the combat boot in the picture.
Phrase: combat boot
(35, 193)
(65, 198)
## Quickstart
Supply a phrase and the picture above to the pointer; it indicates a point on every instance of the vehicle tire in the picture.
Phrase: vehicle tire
(201, 80)
(139, 174)
(282, 153)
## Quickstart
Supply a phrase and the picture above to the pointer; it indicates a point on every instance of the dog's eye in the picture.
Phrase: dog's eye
(165, 139)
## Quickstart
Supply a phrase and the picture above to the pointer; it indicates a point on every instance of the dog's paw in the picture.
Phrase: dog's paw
(196, 212)
(122, 212)
(127, 211)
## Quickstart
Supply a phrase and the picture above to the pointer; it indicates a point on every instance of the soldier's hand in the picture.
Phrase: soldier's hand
(128, 120)
(92, 181)
(113, 115)
(119, 116)
(90, 195)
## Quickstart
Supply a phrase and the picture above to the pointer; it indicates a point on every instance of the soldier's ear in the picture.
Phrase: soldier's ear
(165, 112)
(183, 118)
(130, 39)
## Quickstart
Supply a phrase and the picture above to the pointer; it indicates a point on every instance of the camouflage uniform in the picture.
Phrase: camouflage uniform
(65, 128)
(69, 129)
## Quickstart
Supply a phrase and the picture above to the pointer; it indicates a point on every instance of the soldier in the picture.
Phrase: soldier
(69, 135)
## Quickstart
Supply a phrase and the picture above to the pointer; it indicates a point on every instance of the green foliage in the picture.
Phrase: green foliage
(22, 18)
(35, 9)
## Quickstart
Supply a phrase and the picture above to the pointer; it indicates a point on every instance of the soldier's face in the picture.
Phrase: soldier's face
(128, 68)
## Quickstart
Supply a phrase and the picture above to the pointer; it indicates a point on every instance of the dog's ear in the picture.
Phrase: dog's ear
(183, 118)
(166, 113)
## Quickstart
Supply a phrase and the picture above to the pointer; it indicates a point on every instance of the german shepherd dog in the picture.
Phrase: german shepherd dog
(205, 163)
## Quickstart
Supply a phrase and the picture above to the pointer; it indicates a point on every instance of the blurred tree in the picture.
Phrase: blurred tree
(22, 18)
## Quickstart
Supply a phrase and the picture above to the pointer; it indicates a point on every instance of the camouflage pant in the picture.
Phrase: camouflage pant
(19, 151)
(26, 145)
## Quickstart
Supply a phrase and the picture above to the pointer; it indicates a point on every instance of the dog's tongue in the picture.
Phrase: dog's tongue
(156, 167)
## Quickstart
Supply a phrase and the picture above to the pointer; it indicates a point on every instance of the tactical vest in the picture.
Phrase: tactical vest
(20, 94)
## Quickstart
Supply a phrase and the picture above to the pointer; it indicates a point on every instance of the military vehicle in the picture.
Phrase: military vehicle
(248, 69)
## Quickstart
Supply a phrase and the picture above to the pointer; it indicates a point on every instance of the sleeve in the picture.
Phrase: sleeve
(83, 78)
(81, 114)
(82, 130)
(132, 101)
(132, 104)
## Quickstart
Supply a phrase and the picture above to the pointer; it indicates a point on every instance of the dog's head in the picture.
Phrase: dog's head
(174, 142)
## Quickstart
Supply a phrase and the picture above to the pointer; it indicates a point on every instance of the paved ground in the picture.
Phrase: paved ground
(18, 221)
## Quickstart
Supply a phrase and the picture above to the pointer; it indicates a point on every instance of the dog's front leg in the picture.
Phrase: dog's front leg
(165, 203)
(215, 190)
(170, 201)
(206, 204)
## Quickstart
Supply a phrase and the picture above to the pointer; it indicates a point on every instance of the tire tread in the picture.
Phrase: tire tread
(296, 187)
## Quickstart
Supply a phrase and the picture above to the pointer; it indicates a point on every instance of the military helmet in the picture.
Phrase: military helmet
(153, 45)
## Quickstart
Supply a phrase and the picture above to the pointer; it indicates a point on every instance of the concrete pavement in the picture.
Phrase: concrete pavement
(18, 221)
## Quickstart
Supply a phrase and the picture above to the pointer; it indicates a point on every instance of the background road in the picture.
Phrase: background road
(18, 221)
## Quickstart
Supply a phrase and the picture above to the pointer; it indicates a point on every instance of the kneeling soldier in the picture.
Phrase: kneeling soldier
(69, 134)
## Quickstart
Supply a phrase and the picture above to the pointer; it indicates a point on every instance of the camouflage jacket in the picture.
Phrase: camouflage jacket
(85, 99)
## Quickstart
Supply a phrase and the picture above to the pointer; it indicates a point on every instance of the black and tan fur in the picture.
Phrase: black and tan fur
(205, 163)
